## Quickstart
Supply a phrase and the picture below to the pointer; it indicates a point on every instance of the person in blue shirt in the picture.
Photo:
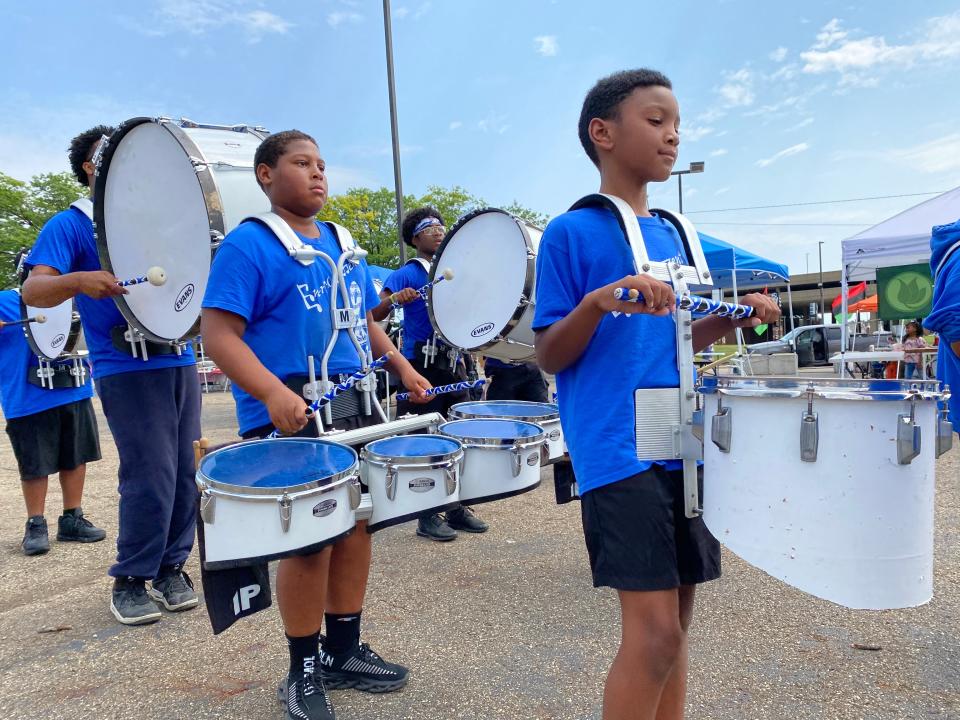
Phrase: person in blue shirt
(944, 316)
(152, 408)
(51, 430)
(639, 541)
(263, 314)
(423, 229)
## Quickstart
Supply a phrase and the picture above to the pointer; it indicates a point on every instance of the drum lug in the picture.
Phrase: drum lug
(286, 512)
(216, 239)
(809, 436)
(355, 492)
(944, 434)
(208, 506)
(450, 477)
(516, 462)
(391, 482)
(721, 427)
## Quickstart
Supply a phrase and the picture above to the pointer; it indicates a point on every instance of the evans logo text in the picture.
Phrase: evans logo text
(184, 298)
(481, 330)
(58, 340)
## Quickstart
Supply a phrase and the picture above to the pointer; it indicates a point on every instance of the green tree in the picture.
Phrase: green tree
(25, 207)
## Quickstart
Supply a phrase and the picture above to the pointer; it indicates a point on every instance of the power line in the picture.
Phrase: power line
(818, 202)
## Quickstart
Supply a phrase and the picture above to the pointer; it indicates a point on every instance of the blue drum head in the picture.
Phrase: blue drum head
(505, 409)
(413, 446)
(492, 428)
(278, 463)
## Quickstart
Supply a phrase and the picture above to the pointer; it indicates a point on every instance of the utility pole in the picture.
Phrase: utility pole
(823, 309)
(394, 130)
(695, 167)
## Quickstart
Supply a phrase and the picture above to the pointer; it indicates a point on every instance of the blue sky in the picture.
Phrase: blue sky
(785, 102)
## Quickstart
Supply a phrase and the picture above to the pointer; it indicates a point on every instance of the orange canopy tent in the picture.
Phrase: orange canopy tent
(866, 305)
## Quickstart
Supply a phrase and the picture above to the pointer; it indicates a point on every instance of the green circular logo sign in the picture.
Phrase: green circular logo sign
(909, 292)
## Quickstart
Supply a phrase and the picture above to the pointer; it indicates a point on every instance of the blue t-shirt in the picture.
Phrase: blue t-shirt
(19, 397)
(286, 306)
(416, 320)
(581, 251)
(944, 317)
(67, 244)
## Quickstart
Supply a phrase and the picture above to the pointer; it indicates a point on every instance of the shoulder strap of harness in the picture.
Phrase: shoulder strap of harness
(284, 233)
(422, 262)
(84, 205)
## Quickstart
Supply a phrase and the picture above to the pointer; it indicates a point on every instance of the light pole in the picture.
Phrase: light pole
(394, 131)
(695, 167)
(823, 310)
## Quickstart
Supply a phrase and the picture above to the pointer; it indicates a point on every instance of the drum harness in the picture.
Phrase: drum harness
(668, 421)
(342, 318)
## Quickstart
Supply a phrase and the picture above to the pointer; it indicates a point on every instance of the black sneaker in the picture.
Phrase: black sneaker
(305, 698)
(435, 528)
(362, 669)
(74, 527)
(35, 538)
(173, 588)
(130, 603)
(463, 519)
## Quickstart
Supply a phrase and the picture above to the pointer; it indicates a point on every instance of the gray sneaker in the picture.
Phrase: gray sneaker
(173, 589)
(35, 538)
(130, 603)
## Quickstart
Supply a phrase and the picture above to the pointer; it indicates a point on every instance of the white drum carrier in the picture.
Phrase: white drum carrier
(501, 458)
(546, 415)
(267, 499)
(827, 484)
(167, 193)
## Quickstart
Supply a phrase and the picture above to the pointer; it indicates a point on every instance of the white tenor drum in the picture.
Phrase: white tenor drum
(56, 337)
(546, 415)
(489, 305)
(501, 458)
(267, 499)
(167, 192)
(827, 484)
(410, 476)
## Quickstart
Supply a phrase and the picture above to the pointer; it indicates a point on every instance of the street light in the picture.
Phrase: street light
(695, 167)
(823, 309)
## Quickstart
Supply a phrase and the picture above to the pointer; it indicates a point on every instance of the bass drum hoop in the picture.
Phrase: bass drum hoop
(528, 282)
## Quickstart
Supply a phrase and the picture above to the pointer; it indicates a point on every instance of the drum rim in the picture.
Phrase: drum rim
(325, 484)
(367, 455)
(553, 414)
(479, 441)
(822, 388)
(73, 335)
(528, 282)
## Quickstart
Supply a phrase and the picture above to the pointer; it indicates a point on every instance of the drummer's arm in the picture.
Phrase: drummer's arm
(380, 344)
(955, 346)
(46, 287)
(383, 309)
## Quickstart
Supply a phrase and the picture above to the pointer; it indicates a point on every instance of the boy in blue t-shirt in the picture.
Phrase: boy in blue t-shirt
(423, 229)
(51, 430)
(638, 538)
(263, 315)
(152, 408)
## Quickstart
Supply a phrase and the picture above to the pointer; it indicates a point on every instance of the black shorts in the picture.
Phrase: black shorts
(518, 382)
(61, 438)
(639, 538)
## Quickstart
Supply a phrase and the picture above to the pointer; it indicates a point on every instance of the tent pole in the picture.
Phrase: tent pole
(843, 327)
(790, 304)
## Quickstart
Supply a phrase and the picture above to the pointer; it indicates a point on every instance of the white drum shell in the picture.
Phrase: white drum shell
(248, 528)
(854, 527)
(419, 491)
(487, 473)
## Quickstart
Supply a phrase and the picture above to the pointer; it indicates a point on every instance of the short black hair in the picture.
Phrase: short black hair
(274, 146)
(603, 100)
(82, 147)
(414, 217)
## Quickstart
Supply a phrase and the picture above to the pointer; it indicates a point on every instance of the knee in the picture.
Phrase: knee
(656, 647)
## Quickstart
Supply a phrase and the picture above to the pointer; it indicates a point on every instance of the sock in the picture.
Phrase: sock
(343, 632)
(73, 511)
(303, 653)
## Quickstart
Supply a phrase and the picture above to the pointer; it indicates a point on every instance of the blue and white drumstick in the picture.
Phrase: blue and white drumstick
(155, 276)
(442, 389)
(447, 274)
(696, 305)
(328, 396)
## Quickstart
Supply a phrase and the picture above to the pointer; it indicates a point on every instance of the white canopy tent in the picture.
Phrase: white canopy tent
(903, 239)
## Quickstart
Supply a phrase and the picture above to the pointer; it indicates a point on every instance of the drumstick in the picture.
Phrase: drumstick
(447, 274)
(328, 397)
(442, 389)
(39, 319)
(155, 276)
(696, 305)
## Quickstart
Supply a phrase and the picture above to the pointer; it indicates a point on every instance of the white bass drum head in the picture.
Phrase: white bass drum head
(54, 337)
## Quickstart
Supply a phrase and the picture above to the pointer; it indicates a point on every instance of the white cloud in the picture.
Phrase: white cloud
(779, 55)
(934, 156)
(197, 17)
(737, 90)
(786, 152)
(340, 17)
(493, 123)
(829, 35)
(802, 124)
(341, 178)
(401, 12)
(719, 152)
(456, 125)
(694, 132)
(722, 191)
(422, 10)
(546, 45)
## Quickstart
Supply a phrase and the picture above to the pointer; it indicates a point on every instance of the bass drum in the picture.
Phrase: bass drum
(167, 193)
(489, 305)
(56, 337)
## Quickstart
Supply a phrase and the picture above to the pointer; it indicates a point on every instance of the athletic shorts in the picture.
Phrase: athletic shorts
(639, 538)
(61, 438)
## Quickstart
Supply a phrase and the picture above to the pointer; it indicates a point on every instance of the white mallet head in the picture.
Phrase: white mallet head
(447, 274)
(41, 319)
(156, 276)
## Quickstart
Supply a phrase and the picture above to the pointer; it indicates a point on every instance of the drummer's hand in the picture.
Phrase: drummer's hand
(100, 284)
(658, 297)
(288, 413)
(765, 310)
(402, 297)
(417, 385)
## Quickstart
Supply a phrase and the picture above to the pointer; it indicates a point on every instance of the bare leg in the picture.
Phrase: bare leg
(349, 570)
(34, 495)
(650, 646)
(301, 587)
(71, 482)
(675, 691)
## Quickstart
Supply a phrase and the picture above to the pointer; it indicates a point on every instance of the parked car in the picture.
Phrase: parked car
(815, 344)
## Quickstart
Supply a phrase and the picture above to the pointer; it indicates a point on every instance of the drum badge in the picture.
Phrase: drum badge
(324, 508)
(422, 484)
